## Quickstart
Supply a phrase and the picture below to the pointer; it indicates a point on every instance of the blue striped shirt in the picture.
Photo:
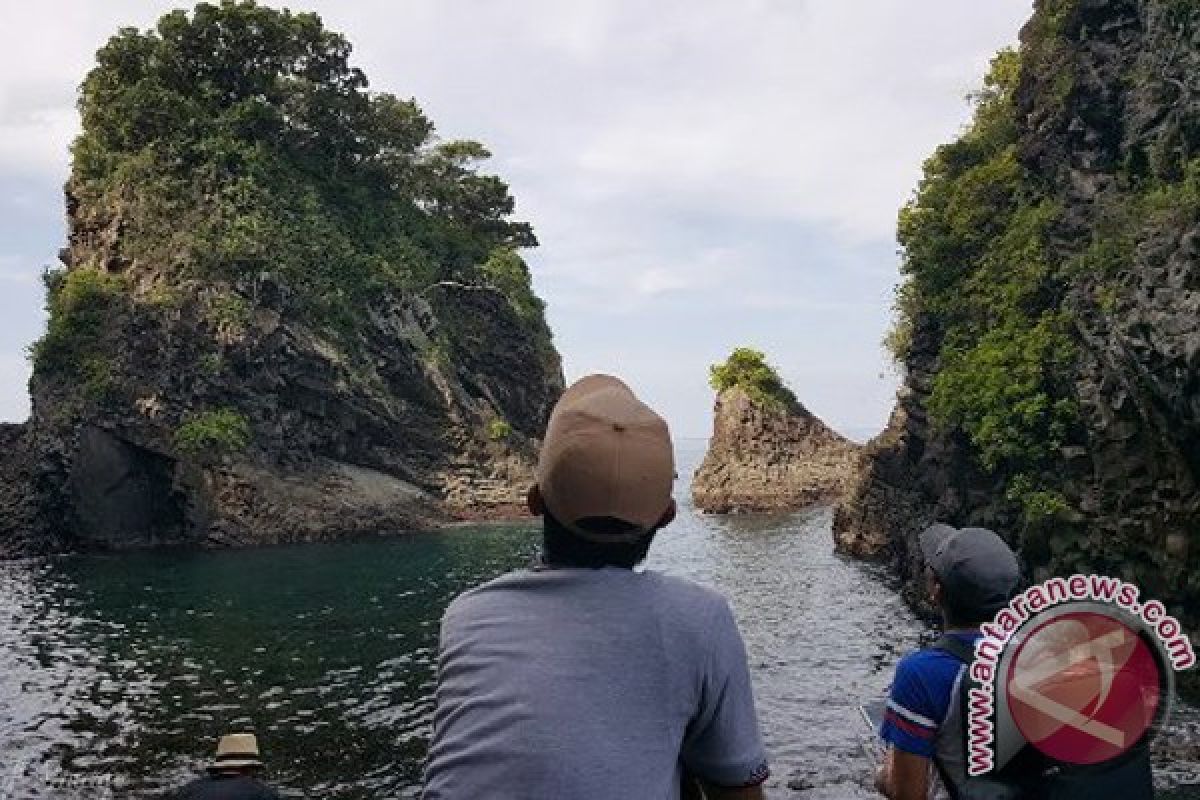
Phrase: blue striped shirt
(920, 698)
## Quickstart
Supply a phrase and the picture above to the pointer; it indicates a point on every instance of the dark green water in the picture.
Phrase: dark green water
(118, 673)
(132, 666)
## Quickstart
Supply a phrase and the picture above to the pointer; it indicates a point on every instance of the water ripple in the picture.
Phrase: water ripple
(118, 674)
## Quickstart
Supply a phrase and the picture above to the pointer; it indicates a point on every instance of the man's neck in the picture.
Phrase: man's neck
(543, 562)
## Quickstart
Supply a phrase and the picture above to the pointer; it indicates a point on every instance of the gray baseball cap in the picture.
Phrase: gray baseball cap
(978, 570)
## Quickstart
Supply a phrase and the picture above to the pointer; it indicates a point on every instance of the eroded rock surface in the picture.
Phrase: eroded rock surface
(404, 438)
(770, 457)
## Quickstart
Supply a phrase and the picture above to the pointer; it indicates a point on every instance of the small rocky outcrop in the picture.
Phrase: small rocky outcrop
(285, 310)
(767, 452)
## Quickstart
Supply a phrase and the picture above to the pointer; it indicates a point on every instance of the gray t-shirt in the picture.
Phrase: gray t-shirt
(576, 684)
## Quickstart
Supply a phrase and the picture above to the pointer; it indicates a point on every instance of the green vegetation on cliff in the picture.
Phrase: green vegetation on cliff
(996, 250)
(212, 434)
(81, 304)
(237, 142)
(1047, 318)
(978, 270)
(747, 369)
(499, 430)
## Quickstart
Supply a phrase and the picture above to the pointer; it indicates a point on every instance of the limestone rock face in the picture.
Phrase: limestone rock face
(1130, 477)
(433, 416)
(770, 457)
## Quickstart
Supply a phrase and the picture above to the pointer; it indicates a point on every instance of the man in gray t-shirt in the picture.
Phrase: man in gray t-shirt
(581, 678)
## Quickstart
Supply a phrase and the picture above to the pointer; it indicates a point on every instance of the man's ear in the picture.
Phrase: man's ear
(668, 516)
(934, 586)
(533, 499)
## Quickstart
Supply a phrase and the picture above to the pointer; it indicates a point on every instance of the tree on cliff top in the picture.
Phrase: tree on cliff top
(747, 369)
(236, 140)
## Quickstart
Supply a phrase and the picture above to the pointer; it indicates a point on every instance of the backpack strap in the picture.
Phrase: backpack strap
(1023, 774)
(965, 654)
(956, 647)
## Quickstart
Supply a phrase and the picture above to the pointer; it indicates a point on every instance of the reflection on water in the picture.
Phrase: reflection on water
(131, 666)
(118, 673)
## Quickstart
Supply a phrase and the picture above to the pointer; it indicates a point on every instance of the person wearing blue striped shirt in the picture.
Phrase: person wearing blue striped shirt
(970, 575)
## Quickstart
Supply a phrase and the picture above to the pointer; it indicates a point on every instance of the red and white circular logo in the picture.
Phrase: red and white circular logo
(1083, 687)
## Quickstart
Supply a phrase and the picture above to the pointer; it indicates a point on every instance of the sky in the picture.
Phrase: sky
(702, 174)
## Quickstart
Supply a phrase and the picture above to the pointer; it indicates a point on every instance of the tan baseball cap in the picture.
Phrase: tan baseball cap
(606, 454)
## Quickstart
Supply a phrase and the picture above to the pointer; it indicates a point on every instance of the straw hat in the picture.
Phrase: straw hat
(235, 751)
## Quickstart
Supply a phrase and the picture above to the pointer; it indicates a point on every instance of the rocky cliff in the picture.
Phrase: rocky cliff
(1049, 320)
(767, 451)
(285, 311)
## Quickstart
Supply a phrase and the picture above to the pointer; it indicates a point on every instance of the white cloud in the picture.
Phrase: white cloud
(14, 401)
(819, 110)
(14, 269)
(36, 142)
(48, 48)
(593, 278)
(658, 280)
(764, 301)
(656, 147)
(811, 111)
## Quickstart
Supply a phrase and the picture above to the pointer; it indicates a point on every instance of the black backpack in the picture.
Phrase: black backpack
(1031, 775)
